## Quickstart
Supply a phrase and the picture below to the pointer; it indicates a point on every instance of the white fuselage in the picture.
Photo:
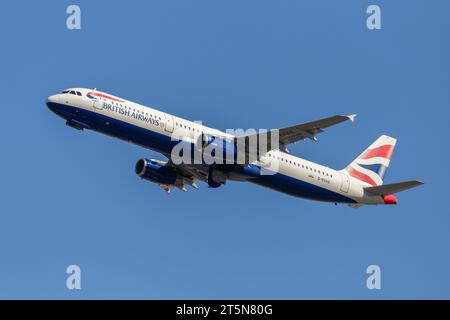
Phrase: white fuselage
(130, 121)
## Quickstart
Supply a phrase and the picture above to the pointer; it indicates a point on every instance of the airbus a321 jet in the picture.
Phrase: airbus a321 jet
(360, 183)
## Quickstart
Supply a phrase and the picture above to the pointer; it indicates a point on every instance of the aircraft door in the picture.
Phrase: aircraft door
(168, 123)
(345, 182)
(97, 104)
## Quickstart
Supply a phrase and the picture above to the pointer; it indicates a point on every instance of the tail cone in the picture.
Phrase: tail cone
(390, 199)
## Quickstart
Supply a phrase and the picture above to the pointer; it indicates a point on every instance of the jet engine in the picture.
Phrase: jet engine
(155, 171)
(164, 176)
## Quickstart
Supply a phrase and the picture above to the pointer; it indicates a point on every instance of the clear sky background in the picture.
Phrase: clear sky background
(70, 197)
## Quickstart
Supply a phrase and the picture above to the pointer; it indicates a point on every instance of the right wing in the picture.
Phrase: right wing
(286, 135)
(310, 129)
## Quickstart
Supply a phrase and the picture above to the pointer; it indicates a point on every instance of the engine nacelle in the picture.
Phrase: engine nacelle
(155, 171)
(217, 147)
(216, 178)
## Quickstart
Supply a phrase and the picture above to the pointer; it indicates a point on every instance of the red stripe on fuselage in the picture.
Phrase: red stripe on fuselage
(382, 152)
(101, 95)
(361, 176)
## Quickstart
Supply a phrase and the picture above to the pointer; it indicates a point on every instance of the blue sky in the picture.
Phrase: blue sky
(72, 197)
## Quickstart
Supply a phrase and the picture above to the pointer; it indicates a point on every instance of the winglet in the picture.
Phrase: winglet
(352, 117)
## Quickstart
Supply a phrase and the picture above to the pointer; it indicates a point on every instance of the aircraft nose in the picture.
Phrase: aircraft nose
(51, 99)
(52, 102)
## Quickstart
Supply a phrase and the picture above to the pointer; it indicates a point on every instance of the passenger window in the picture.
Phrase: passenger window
(78, 93)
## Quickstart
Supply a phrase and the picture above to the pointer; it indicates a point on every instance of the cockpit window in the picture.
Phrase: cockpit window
(76, 93)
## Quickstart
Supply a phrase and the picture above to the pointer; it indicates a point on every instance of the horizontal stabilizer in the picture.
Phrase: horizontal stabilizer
(392, 188)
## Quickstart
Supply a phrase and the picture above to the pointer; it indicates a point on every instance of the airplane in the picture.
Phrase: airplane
(358, 184)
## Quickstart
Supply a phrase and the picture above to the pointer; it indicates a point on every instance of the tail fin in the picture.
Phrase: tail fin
(370, 166)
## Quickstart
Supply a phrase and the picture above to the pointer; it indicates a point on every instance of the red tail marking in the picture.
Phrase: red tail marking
(384, 151)
(361, 176)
